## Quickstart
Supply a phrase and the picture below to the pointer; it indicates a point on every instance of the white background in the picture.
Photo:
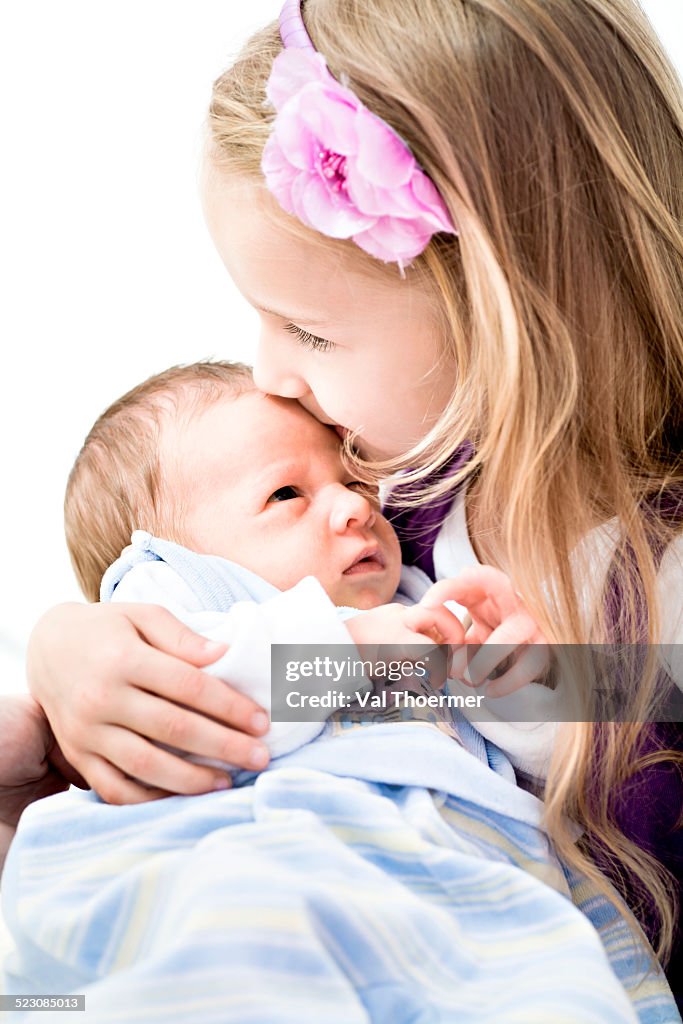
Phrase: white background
(107, 272)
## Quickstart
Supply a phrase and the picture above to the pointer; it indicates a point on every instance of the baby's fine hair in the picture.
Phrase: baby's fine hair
(118, 483)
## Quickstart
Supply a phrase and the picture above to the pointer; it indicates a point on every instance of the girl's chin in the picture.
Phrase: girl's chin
(370, 453)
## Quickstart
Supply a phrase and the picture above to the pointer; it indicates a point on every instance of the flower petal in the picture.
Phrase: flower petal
(280, 175)
(327, 211)
(373, 199)
(299, 144)
(392, 239)
(378, 194)
(291, 71)
(433, 207)
(382, 158)
(328, 115)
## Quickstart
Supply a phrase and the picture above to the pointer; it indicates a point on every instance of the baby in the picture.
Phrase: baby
(260, 519)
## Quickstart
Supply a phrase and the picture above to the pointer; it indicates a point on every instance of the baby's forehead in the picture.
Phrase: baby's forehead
(287, 423)
(252, 439)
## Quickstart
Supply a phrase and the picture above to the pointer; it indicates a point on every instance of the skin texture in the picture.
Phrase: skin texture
(360, 352)
(262, 483)
(31, 764)
(374, 362)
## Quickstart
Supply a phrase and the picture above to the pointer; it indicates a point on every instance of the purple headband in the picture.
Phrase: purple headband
(338, 167)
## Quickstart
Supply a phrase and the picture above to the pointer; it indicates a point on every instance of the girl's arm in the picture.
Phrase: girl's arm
(117, 679)
(84, 664)
(31, 765)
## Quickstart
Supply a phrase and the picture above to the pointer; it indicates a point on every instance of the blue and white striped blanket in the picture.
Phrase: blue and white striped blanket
(382, 874)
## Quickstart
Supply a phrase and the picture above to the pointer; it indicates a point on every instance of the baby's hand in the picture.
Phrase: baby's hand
(502, 628)
(398, 625)
(402, 628)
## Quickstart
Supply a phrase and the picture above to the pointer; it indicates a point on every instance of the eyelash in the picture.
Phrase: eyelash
(357, 485)
(309, 340)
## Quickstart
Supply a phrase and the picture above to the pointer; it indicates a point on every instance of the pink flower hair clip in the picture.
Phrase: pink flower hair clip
(338, 167)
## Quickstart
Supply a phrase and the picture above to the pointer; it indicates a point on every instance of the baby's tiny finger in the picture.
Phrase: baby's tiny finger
(486, 661)
(423, 618)
(531, 664)
(458, 662)
(515, 631)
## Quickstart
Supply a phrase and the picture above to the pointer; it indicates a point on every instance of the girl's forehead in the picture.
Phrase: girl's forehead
(271, 257)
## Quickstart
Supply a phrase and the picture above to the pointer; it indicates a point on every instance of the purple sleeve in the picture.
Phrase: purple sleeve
(648, 809)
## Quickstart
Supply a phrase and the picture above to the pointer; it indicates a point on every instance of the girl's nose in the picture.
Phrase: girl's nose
(351, 509)
(274, 376)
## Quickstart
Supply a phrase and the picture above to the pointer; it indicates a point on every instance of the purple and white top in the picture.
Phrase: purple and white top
(648, 808)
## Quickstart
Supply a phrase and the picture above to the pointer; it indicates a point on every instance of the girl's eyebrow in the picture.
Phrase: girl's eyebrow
(300, 317)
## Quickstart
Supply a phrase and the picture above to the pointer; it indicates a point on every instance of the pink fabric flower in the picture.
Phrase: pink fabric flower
(342, 170)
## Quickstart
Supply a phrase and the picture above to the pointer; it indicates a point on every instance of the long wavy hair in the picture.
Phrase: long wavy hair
(554, 132)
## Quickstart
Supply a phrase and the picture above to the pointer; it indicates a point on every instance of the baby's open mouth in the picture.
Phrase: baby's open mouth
(368, 561)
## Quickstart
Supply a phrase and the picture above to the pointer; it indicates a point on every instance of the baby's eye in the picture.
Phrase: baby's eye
(284, 494)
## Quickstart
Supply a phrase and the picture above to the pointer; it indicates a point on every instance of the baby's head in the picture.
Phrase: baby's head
(197, 455)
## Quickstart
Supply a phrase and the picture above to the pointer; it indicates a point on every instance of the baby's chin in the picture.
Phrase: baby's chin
(365, 597)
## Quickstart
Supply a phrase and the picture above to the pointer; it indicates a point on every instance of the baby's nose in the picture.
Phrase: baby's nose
(351, 509)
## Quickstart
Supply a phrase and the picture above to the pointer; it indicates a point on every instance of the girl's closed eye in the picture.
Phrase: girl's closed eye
(285, 493)
(309, 340)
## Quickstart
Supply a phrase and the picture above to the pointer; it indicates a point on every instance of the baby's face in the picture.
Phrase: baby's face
(261, 482)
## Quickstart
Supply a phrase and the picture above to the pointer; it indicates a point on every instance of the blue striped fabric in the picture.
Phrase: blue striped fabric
(379, 874)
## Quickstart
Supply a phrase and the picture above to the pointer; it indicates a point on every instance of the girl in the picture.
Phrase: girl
(460, 223)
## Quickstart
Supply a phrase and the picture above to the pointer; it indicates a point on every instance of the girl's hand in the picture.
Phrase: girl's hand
(502, 629)
(31, 764)
(112, 678)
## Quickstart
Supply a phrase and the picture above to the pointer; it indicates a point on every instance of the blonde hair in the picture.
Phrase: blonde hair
(118, 483)
(554, 132)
